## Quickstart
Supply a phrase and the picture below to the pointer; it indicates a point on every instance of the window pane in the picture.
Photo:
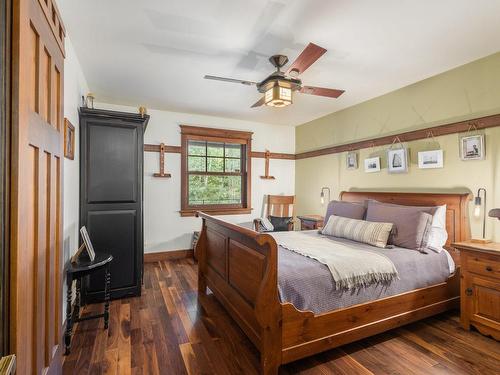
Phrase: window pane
(215, 164)
(233, 150)
(196, 163)
(233, 165)
(205, 190)
(196, 148)
(215, 149)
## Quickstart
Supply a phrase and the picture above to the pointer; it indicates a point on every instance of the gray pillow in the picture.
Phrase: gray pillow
(351, 210)
(411, 223)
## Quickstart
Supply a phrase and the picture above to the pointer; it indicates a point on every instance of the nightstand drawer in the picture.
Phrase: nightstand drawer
(483, 266)
(308, 225)
(309, 222)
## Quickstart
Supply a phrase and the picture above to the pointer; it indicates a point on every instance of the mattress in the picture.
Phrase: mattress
(309, 286)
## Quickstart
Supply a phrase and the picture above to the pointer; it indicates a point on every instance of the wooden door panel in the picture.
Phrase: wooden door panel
(486, 302)
(36, 263)
(113, 232)
(110, 176)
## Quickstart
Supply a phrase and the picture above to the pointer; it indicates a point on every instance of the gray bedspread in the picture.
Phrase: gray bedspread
(308, 284)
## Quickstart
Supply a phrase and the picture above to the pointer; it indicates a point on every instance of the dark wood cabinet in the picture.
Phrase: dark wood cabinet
(111, 197)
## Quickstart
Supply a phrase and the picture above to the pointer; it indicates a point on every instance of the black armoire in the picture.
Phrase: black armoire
(111, 197)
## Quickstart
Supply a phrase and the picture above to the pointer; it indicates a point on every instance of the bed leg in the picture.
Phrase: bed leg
(270, 356)
(269, 368)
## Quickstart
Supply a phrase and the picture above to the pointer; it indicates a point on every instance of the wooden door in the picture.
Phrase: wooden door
(36, 186)
(4, 170)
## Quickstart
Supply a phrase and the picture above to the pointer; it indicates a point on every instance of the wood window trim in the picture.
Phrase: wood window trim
(189, 132)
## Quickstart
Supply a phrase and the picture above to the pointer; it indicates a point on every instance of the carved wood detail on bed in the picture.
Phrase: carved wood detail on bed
(305, 333)
(239, 266)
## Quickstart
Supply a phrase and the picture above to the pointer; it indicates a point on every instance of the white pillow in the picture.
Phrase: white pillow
(438, 235)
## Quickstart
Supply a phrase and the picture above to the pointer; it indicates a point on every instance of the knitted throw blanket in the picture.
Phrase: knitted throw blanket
(350, 266)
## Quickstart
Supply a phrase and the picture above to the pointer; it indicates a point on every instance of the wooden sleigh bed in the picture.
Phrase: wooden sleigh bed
(239, 266)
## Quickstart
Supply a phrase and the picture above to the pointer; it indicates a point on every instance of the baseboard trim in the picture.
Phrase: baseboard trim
(168, 255)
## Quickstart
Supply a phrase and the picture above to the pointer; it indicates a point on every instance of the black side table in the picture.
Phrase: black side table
(76, 271)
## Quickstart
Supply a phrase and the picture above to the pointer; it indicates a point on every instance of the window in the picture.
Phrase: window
(215, 171)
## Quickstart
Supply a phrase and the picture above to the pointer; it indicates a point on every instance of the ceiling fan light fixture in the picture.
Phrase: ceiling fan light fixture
(278, 96)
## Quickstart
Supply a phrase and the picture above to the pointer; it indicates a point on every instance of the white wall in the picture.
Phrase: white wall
(164, 228)
(75, 85)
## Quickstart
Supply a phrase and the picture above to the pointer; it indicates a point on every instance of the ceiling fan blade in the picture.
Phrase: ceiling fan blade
(307, 57)
(215, 78)
(320, 91)
(259, 103)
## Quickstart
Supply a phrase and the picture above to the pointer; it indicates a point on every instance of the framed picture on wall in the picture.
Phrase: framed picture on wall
(352, 160)
(397, 160)
(430, 159)
(472, 147)
(69, 140)
(372, 165)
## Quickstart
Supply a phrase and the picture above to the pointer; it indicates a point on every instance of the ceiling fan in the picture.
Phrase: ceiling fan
(279, 86)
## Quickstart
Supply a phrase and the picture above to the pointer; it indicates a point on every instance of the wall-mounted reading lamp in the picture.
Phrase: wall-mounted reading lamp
(495, 213)
(322, 195)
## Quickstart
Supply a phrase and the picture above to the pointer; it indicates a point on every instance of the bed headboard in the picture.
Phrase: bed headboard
(457, 211)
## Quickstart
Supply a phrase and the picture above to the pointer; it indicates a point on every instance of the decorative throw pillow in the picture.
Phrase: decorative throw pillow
(280, 224)
(266, 224)
(375, 234)
(411, 223)
(350, 210)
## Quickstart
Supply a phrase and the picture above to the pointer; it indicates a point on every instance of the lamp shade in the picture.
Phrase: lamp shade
(495, 213)
(278, 96)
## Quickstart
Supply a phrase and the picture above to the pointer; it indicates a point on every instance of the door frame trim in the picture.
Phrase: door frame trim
(5, 112)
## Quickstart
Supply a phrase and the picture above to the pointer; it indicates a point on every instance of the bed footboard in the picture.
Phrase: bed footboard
(239, 266)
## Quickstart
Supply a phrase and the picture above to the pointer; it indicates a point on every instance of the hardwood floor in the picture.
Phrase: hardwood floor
(166, 331)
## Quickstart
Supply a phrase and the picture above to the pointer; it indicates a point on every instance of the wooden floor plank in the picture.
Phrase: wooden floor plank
(124, 346)
(168, 331)
(189, 359)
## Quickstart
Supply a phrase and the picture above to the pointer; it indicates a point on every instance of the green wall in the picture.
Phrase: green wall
(467, 92)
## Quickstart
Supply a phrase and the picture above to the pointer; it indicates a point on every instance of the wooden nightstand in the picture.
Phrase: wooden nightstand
(480, 287)
(308, 222)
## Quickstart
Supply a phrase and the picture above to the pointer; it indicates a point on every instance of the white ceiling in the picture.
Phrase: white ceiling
(156, 52)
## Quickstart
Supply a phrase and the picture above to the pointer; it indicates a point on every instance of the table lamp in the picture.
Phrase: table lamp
(478, 207)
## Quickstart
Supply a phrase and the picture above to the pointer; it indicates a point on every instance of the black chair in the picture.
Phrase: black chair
(76, 271)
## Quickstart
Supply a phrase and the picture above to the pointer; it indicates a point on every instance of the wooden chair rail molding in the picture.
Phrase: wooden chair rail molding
(414, 135)
(255, 154)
